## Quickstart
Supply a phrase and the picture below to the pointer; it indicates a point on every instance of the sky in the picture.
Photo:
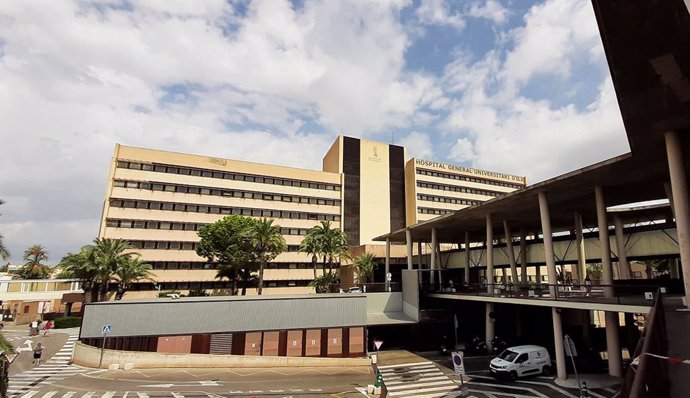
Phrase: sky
(513, 86)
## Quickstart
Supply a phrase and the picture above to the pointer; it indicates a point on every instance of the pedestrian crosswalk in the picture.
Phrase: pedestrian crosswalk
(123, 394)
(56, 368)
(419, 380)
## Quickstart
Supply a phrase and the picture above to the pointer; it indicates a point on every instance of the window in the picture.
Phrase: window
(522, 358)
(174, 245)
(149, 245)
(119, 184)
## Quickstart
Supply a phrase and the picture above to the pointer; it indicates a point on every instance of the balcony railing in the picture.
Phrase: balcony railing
(605, 294)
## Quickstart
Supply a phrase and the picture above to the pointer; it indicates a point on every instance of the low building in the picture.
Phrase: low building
(323, 325)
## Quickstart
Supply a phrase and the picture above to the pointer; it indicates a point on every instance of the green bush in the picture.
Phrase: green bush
(67, 322)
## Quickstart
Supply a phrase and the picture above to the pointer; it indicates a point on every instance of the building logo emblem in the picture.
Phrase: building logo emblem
(375, 155)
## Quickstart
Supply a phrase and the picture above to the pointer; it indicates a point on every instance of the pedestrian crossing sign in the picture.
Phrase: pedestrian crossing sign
(107, 329)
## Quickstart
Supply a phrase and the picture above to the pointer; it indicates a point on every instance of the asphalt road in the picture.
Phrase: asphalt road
(278, 382)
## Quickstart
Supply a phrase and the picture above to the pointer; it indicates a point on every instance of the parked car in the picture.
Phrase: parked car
(354, 289)
(523, 360)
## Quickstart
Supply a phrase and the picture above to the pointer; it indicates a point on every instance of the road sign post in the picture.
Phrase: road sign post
(105, 331)
(459, 367)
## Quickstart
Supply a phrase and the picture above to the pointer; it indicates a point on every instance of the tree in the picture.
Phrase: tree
(325, 283)
(595, 271)
(330, 243)
(109, 256)
(4, 253)
(33, 268)
(267, 244)
(82, 266)
(227, 242)
(311, 245)
(365, 266)
(131, 270)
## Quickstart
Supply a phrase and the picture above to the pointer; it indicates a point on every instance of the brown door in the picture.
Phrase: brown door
(270, 344)
(294, 343)
(356, 342)
(312, 344)
(175, 344)
(335, 342)
(252, 344)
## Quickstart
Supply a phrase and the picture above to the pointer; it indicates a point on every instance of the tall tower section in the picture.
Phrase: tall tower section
(373, 187)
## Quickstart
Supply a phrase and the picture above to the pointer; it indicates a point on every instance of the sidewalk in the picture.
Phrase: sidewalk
(18, 336)
(593, 380)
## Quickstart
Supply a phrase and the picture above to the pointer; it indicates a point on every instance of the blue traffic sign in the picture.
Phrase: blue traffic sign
(107, 329)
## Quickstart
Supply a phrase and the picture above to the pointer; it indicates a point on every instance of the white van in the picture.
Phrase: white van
(522, 360)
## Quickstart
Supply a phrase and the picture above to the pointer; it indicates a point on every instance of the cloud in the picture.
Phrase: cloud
(491, 9)
(463, 151)
(265, 80)
(437, 12)
(418, 145)
(503, 128)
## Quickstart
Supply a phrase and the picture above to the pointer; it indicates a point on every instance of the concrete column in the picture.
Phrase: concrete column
(603, 226)
(558, 343)
(548, 241)
(679, 188)
(623, 265)
(581, 269)
(490, 325)
(511, 253)
(419, 255)
(433, 255)
(388, 263)
(523, 256)
(437, 250)
(613, 346)
(489, 253)
(408, 238)
(467, 257)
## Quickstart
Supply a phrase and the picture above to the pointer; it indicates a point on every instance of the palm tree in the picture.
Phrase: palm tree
(82, 266)
(268, 243)
(246, 278)
(33, 268)
(331, 243)
(311, 245)
(4, 253)
(131, 270)
(109, 256)
(325, 283)
(365, 266)
(226, 271)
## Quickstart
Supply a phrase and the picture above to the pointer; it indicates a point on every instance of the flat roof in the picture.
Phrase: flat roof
(227, 314)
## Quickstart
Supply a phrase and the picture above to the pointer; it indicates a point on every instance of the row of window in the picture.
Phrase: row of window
(194, 208)
(453, 176)
(163, 265)
(180, 226)
(168, 187)
(174, 245)
(454, 188)
(445, 199)
(438, 212)
(189, 171)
